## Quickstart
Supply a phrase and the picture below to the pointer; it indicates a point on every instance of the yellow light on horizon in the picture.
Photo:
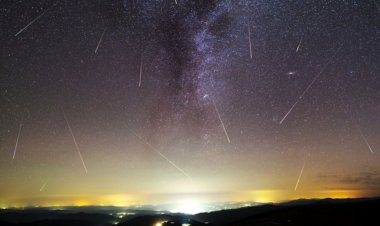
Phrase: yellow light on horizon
(82, 203)
(267, 196)
(160, 223)
(189, 206)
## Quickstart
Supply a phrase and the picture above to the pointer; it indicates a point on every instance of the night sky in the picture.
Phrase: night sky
(149, 102)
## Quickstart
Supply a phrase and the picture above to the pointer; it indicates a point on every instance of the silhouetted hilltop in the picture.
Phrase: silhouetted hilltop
(44, 217)
(347, 212)
(226, 217)
(223, 217)
(324, 212)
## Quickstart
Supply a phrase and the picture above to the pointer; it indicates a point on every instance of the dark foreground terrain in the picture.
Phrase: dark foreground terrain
(345, 212)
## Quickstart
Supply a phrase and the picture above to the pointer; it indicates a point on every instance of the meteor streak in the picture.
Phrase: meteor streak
(100, 40)
(250, 42)
(141, 64)
(299, 177)
(221, 122)
(34, 20)
(75, 142)
(377, 5)
(299, 45)
(43, 186)
(290, 110)
(366, 142)
(18, 137)
(309, 86)
(159, 153)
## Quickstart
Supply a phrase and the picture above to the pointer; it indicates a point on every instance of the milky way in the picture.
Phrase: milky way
(195, 37)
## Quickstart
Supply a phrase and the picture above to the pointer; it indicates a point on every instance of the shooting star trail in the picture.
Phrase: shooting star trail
(299, 44)
(18, 137)
(377, 5)
(100, 40)
(141, 64)
(299, 177)
(32, 22)
(250, 42)
(43, 186)
(221, 122)
(159, 153)
(290, 110)
(366, 141)
(309, 86)
(75, 142)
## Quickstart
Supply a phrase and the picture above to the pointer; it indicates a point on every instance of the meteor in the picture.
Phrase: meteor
(100, 40)
(299, 44)
(32, 22)
(141, 64)
(221, 122)
(290, 110)
(250, 42)
(75, 142)
(18, 137)
(43, 186)
(366, 142)
(309, 86)
(158, 152)
(299, 177)
(377, 5)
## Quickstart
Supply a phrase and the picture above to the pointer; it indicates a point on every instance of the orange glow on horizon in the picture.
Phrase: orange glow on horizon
(265, 196)
(260, 196)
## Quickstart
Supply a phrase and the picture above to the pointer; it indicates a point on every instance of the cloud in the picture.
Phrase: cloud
(363, 178)
(327, 176)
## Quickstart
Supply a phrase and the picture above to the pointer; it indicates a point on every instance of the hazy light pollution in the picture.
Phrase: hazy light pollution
(146, 102)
